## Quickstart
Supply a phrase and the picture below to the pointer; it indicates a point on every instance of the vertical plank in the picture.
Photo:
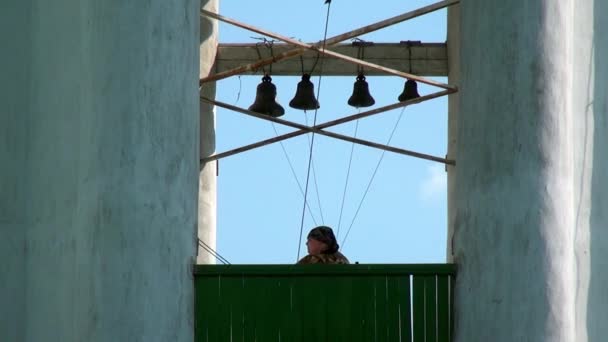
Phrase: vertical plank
(341, 302)
(254, 296)
(451, 309)
(358, 307)
(443, 309)
(201, 313)
(310, 308)
(418, 306)
(283, 314)
(296, 311)
(366, 287)
(405, 309)
(392, 309)
(207, 306)
(380, 308)
(266, 300)
(430, 295)
(223, 314)
(232, 306)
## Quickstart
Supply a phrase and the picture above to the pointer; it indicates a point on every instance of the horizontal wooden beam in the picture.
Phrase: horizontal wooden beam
(326, 43)
(324, 51)
(427, 59)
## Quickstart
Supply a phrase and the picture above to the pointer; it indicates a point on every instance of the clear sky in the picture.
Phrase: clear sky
(403, 216)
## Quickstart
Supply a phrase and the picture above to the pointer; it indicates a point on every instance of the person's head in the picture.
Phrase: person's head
(321, 240)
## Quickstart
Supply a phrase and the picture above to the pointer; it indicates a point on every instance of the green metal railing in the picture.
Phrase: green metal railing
(332, 303)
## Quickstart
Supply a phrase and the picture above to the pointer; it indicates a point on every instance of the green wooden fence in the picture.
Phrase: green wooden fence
(332, 303)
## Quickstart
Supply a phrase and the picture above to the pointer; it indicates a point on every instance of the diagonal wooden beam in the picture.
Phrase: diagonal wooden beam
(327, 52)
(303, 129)
(330, 41)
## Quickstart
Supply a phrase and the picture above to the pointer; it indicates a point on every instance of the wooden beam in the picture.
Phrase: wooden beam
(318, 129)
(428, 59)
(330, 41)
(325, 52)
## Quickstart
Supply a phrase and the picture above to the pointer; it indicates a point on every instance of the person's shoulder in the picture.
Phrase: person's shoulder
(334, 258)
(310, 259)
(340, 258)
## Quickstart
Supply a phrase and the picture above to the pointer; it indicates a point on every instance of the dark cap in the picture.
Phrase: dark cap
(326, 235)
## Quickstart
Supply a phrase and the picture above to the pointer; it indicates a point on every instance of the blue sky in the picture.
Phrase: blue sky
(403, 217)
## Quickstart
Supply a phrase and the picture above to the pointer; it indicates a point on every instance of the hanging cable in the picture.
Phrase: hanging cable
(372, 178)
(293, 172)
(213, 253)
(268, 44)
(314, 172)
(350, 161)
(313, 134)
(314, 177)
(360, 55)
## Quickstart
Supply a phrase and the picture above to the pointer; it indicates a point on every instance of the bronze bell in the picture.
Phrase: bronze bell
(265, 99)
(410, 91)
(361, 96)
(305, 95)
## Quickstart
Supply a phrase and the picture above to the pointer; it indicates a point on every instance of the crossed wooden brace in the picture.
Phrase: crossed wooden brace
(320, 47)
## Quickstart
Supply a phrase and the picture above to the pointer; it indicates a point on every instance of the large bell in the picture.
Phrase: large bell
(361, 96)
(305, 95)
(265, 99)
(410, 91)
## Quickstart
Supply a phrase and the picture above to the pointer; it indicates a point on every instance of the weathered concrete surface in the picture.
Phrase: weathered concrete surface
(207, 191)
(583, 144)
(528, 196)
(590, 93)
(513, 218)
(453, 43)
(13, 145)
(98, 170)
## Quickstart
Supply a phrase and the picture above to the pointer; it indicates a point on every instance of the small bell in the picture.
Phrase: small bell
(265, 99)
(410, 91)
(361, 96)
(305, 95)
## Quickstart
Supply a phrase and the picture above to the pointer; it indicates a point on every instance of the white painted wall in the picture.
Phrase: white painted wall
(98, 170)
(453, 43)
(13, 147)
(528, 200)
(513, 226)
(207, 192)
(590, 143)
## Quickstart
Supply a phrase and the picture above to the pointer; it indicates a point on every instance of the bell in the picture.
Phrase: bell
(305, 95)
(265, 99)
(410, 91)
(361, 96)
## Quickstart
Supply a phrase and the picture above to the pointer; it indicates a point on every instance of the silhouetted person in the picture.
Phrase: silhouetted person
(323, 248)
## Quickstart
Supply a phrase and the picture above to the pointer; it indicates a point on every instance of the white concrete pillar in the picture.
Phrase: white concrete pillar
(513, 217)
(99, 153)
(590, 144)
(207, 191)
(453, 42)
